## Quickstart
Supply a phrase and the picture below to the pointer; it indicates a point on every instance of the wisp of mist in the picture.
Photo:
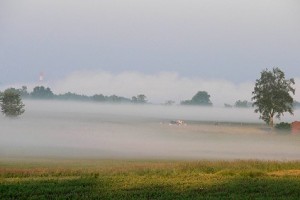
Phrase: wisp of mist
(115, 131)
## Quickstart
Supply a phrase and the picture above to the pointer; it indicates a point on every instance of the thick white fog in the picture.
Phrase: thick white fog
(93, 130)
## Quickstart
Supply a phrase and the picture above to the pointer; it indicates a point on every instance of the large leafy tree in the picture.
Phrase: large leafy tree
(272, 95)
(11, 103)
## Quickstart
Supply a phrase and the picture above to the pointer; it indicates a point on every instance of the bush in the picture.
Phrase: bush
(283, 126)
(11, 103)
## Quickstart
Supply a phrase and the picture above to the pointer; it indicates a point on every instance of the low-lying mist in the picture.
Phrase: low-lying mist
(93, 130)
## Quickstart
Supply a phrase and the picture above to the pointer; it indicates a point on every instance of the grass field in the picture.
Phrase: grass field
(132, 179)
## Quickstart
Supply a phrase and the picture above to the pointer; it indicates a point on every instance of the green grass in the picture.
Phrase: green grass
(106, 179)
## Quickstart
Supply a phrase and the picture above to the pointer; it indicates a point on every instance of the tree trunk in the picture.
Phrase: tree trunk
(271, 123)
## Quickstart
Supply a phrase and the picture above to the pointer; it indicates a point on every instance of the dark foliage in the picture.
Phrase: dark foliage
(40, 92)
(11, 103)
(242, 104)
(141, 99)
(202, 98)
(283, 126)
(72, 96)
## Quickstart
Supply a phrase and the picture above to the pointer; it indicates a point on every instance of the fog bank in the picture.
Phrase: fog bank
(75, 129)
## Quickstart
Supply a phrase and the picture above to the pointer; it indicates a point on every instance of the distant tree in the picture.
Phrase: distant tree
(72, 96)
(202, 98)
(296, 104)
(99, 97)
(227, 105)
(169, 103)
(134, 99)
(116, 99)
(242, 104)
(11, 103)
(96, 98)
(113, 98)
(271, 95)
(141, 98)
(23, 92)
(40, 92)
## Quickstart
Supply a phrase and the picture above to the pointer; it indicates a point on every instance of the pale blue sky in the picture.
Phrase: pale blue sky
(227, 39)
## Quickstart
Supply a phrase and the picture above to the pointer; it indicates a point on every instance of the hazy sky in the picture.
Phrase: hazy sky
(228, 40)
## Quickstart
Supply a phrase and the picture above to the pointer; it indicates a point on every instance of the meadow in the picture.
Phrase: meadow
(70, 150)
(157, 179)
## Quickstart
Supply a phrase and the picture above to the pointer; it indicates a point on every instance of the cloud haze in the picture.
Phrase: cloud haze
(157, 87)
(232, 40)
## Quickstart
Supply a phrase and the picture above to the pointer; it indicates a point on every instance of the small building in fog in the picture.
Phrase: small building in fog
(296, 127)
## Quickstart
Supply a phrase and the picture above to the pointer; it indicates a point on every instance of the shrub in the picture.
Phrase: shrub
(283, 126)
(11, 103)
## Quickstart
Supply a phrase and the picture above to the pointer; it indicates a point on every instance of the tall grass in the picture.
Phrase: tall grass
(90, 179)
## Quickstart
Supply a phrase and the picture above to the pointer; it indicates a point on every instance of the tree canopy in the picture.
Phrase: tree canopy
(141, 98)
(242, 104)
(272, 96)
(169, 103)
(40, 92)
(11, 103)
(202, 98)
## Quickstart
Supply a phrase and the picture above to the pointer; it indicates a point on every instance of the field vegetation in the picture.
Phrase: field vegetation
(132, 179)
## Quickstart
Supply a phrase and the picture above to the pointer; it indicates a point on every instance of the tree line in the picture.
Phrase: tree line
(271, 97)
(45, 93)
(201, 98)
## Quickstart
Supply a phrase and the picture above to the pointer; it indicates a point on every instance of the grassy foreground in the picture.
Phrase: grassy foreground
(106, 179)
